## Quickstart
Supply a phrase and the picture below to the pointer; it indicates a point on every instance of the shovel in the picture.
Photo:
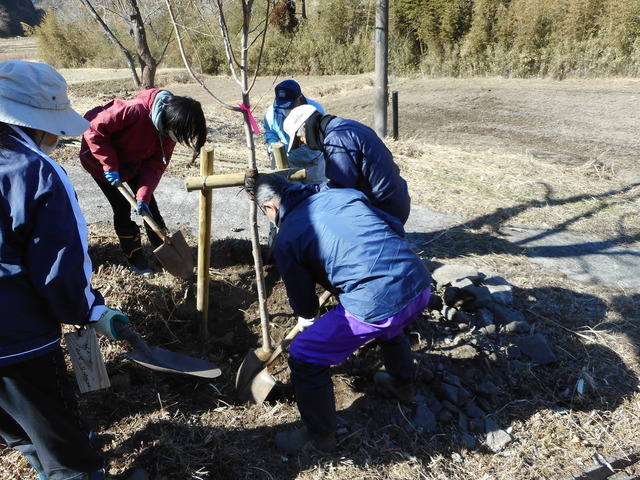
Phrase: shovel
(157, 358)
(253, 380)
(174, 254)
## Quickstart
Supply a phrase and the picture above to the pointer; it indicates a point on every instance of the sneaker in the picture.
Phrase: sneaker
(403, 392)
(139, 264)
(295, 441)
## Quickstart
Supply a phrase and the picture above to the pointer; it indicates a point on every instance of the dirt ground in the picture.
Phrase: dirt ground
(180, 427)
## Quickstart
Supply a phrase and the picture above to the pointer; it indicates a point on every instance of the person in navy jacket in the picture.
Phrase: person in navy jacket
(288, 95)
(132, 141)
(45, 275)
(355, 157)
(337, 239)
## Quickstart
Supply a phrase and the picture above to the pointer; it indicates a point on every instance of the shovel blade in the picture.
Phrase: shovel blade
(253, 362)
(175, 256)
(163, 360)
(260, 387)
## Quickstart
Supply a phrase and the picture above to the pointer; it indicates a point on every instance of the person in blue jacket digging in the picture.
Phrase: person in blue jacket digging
(336, 238)
(355, 157)
(45, 274)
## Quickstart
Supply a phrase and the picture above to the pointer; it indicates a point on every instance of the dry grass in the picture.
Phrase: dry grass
(562, 417)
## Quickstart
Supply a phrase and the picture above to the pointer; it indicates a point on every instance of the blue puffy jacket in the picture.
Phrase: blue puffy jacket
(335, 238)
(357, 158)
(44, 266)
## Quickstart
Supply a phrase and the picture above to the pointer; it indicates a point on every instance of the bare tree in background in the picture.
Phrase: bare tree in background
(252, 34)
(129, 11)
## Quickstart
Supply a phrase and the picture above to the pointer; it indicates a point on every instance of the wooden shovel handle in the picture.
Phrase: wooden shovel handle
(145, 215)
(293, 333)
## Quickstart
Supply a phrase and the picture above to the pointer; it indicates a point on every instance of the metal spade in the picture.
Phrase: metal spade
(163, 360)
(174, 254)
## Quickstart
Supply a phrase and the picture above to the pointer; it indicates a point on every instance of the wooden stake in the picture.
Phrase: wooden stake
(204, 243)
(209, 181)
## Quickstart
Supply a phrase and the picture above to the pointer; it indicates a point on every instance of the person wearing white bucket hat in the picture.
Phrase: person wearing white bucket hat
(45, 274)
(355, 157)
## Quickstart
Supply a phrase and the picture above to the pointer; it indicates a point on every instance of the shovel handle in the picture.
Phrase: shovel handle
(145, 215)
(293, 333)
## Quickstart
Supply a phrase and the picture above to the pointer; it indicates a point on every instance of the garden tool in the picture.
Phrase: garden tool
(157, 358)
(253, 380)
(174, 254)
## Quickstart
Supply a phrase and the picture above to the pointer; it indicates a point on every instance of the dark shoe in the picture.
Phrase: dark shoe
(132, 247)
(295, 441)
(403, 392)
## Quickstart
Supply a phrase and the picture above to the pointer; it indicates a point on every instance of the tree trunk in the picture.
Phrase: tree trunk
(148, 64)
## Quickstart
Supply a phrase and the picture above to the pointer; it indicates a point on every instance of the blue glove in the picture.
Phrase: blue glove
(143, 206)
(104, 325)
(113, 177)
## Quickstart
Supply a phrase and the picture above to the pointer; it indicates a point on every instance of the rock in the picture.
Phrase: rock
(482, 295)
(452, 380)
(513, 352)
(468, 441)
(462, 283)
(500, 290)
(483, 318)
(459, 298)
(519, 326)
(446, 392)
(504, 315)
(435, 303)
(488, 390)
(497, 438)
(448, 273)
(536, 347)
(425, 419)
(444, 416)
(474, 411)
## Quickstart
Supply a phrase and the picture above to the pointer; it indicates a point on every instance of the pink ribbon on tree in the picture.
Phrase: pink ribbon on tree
(252, 121)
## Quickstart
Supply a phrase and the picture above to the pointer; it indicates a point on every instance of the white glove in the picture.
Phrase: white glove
(305, 322)
(104, 325)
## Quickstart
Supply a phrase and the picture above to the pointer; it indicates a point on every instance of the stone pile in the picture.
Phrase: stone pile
(481, 339)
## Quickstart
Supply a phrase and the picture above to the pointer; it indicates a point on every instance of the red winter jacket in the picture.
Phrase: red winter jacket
(122, 138)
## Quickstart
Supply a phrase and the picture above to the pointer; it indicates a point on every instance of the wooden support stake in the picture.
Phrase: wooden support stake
(280, 155)
(206, 182)
(204, 243)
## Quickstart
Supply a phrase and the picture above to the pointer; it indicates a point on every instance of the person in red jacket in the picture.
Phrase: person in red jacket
(132, 141)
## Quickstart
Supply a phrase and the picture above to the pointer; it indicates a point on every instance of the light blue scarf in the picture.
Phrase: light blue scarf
(157, 109)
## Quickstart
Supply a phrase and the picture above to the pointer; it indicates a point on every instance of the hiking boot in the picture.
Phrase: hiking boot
(295, 441)
(403, 392)
(132, 246)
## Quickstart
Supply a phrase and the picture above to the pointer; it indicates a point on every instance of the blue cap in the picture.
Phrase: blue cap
(287, 93)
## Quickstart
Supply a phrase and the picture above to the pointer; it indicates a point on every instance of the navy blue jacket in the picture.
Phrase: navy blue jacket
(44, 266)
(337, 239)
(357, 158)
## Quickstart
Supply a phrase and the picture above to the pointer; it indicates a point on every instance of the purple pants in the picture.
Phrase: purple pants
(337, 334)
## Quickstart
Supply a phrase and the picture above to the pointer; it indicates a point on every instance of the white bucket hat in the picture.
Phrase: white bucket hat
(34, 95)
(296, 119)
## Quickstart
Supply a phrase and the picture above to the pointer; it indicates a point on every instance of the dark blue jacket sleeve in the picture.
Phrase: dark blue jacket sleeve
(56, 255)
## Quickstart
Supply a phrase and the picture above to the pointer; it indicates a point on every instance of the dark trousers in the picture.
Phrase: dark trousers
(38, 417)
(122, 209)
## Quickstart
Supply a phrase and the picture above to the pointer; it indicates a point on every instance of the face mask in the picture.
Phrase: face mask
(47, 149)
(172, 136)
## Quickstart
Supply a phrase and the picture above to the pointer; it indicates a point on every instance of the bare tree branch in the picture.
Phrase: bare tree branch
(116, 42)
(188, 64)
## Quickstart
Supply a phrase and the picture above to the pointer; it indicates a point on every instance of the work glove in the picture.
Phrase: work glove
(306, 322)
(143, 206)
(105, 326)
(112, 177)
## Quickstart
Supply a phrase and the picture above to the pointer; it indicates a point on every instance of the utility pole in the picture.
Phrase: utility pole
(381, 67)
